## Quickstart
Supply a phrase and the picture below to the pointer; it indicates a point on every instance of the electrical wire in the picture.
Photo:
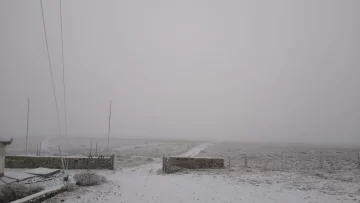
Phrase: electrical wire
(50, 67)
(63, 65)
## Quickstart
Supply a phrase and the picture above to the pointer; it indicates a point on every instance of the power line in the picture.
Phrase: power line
(50, 67)
(63, 64)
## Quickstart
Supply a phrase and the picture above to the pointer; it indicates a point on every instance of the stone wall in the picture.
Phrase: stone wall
(171, 163)
(55, 162)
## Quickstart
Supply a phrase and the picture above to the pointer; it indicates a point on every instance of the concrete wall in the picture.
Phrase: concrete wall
(2, 159)
(55, 162)
(169, 163)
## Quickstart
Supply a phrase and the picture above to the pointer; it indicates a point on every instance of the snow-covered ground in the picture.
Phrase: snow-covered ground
(145, 183)
(288, 157)
(196, 150)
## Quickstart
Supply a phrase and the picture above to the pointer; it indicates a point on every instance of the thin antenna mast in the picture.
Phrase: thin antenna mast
(27, 125)
(108, 146)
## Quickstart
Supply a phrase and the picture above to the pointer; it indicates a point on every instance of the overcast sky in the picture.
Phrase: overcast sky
(234, 69)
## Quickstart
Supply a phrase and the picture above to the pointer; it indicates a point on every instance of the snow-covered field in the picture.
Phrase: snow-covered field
(289, 157)
(85, 145)
(144, 183)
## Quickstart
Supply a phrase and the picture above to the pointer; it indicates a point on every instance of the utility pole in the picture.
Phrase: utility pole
(108, 145)
(27, 126)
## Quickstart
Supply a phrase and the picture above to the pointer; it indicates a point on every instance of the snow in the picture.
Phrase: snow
(45, 145)
(42, 171)
(137, 146)
(16, 174)
(5, 180)
(146, 184)
(195, 151)
(25, 199)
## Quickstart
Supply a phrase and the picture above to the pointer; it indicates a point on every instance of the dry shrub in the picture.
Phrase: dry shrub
(70, 187)
(89, 178)
(35, 188)
(12, 192)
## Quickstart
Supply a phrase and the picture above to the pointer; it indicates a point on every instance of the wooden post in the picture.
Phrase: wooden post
(163, 164)
(27, 127)
(90, 149)
(96, 149)
(321, 161)
(40, 149)
(37, 149)
(245, 161)
(229, 162)
(359, 160)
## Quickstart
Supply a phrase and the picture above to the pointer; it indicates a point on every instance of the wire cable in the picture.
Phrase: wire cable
(50, 67)
(63, 65)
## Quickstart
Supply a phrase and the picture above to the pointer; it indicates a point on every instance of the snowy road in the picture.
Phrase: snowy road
(196, 150)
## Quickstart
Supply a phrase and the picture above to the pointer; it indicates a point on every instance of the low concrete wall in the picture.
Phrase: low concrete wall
(172, 162)
(55, 162)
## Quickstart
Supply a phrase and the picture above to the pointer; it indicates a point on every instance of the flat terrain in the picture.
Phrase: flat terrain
(82, 145)
(273, 173)
(289, 157)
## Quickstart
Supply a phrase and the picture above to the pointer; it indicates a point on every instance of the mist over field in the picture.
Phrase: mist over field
(279, 71)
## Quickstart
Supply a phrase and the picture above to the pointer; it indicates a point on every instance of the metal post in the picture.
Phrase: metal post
(40, 149)
(108, 146)
(61, 158)
(27, 126)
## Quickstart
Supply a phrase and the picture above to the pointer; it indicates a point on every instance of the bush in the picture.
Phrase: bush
(12, 192)
(89, 178)
(35, 188)
(70, 187)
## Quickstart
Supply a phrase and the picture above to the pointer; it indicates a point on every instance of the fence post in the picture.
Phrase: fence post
(245, 161)
(321, 161)
(96, 149)
(163, 164)
(358, 160)
(90, 148)
(229, 162)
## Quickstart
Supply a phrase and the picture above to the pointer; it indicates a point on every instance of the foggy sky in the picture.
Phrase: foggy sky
(227, 70)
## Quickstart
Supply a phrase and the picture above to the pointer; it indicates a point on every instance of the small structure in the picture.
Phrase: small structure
(171, 163)
(3, 143)
(44, 172)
